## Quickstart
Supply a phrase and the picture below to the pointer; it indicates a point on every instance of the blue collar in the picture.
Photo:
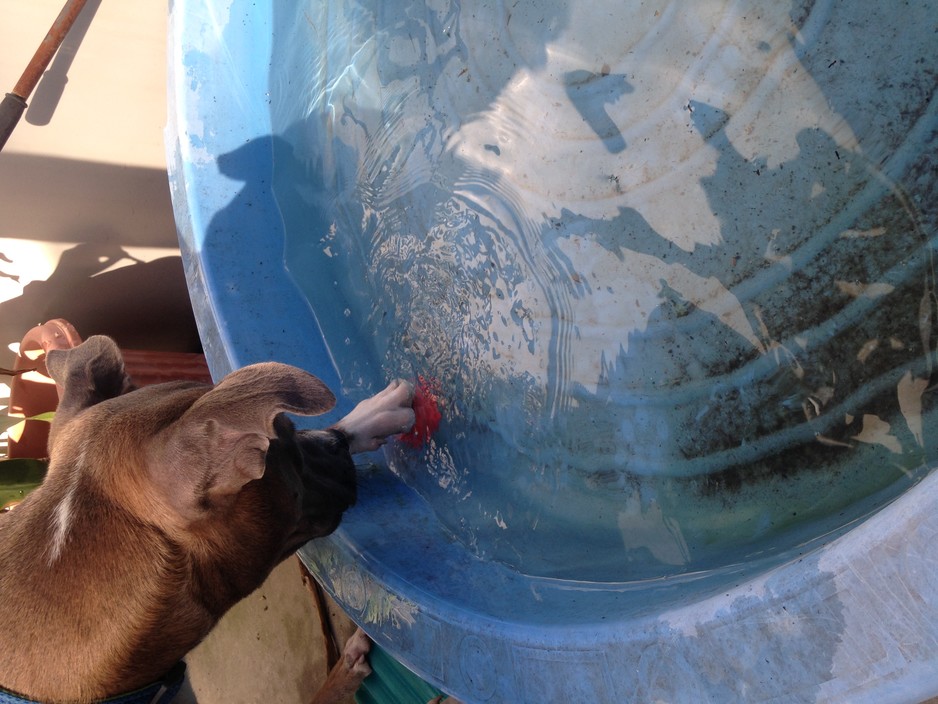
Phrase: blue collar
(161, 692)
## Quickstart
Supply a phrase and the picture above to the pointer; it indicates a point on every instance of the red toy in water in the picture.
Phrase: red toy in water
(426, 413)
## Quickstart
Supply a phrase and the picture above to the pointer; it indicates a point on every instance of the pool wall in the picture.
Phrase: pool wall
(854, 620)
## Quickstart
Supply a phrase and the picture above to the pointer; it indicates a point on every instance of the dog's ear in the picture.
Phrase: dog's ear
(227, 431)
(87, 374)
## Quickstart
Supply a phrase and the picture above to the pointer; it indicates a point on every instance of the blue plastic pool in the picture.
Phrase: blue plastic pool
(671, 270)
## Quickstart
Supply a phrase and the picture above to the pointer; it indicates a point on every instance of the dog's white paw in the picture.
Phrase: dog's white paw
(375, 419)
(348, 673)
(355, 654)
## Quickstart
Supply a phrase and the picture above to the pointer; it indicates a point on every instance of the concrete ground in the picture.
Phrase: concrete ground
(269, 648)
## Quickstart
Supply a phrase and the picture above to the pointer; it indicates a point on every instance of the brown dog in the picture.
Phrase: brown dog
(162, 507)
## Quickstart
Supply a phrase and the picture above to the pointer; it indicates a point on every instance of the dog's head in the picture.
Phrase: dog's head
(191, 458)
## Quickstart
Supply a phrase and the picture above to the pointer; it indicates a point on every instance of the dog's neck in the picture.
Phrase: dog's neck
(108, 592)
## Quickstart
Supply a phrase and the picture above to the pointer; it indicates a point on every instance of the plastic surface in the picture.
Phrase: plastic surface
(671, 268)
(391, 683)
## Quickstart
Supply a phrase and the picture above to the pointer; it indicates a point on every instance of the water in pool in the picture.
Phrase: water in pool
(667, 264)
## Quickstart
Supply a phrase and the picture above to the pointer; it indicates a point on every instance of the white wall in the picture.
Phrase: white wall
(91, 184)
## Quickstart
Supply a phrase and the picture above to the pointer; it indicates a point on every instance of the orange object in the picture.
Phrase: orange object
(33, 392)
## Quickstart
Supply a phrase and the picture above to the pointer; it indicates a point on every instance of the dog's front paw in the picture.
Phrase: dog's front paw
(355, 654)
(348, 673)
(375, 419)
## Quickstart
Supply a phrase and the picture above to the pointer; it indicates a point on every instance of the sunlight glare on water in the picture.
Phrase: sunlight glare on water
(665, 262)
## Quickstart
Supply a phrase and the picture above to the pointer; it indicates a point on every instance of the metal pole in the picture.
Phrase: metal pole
(14, 103)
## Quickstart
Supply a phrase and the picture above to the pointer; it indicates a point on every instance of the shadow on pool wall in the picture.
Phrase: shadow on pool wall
(774, 391)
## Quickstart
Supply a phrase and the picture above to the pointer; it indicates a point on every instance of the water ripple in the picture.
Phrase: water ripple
(666, 261)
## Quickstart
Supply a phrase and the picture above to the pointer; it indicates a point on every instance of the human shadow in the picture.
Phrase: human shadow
(142, 305)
